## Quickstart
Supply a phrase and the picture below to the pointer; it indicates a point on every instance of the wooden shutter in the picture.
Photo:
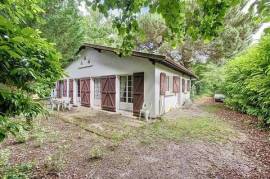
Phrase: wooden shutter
(162, 83)
(138, 92)
(176, 84)
(65, 88)
(71, 90)
(108, 93)
(183, 85)
(85, 92)
(58, 94)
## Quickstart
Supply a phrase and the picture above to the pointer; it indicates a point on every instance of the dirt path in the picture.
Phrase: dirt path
(186, 158)
(203, 141)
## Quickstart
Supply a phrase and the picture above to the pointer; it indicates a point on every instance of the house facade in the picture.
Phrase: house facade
(101, 79)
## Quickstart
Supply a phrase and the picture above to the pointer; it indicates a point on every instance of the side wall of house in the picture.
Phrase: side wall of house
(107, 63)
(170, 100)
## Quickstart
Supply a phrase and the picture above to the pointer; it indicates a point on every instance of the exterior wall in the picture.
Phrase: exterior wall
(107, 63)
(165, 103)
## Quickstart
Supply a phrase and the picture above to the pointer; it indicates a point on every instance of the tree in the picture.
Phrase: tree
(64, 26)
(200, 19)
(99, 30)
(29, 65)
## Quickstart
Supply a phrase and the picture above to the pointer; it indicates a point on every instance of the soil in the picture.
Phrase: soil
(245, 156)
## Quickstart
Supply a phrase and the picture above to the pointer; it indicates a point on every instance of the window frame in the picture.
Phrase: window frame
(128, 89)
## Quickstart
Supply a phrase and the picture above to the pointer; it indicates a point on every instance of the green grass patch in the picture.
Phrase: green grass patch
(196, 128)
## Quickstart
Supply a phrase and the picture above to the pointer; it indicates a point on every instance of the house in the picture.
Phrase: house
(100, 78)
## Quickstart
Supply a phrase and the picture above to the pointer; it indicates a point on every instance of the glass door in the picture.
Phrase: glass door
(126, 93)
(97, 92)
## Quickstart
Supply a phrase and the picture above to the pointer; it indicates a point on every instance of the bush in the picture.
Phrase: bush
(247, 81)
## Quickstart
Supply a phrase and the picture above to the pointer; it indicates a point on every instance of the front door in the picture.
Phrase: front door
(85, 92)
(126, 93)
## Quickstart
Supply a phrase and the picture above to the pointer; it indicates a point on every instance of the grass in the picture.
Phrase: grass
(197, 128)
(212, 108)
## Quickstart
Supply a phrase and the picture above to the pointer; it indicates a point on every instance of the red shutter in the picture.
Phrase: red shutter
(85, 92)
(138, 92)
(162, 83)
(176, 84)
(71, 90)
(58, 94)
(108, 93)
(65, 88)
(183, 85)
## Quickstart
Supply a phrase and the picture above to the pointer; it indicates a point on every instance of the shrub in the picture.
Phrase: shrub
(247, 81)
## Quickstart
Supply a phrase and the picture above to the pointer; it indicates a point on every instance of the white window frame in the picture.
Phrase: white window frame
(169, 85)
(126, 105)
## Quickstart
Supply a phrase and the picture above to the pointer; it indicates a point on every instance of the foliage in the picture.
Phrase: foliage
(99, 30)
(200, 19)
(9, 171)
(64, 26)
(29, 65)
(247, 81)
(211, 78)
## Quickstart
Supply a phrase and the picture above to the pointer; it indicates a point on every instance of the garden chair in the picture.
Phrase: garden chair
(145, 110)
(66, 103)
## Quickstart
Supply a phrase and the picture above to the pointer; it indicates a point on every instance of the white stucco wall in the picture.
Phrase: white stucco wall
(165, 103)
(107, 63)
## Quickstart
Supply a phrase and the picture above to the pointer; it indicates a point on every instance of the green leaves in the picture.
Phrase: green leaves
(200, 19)
(247, 81)
(29, 65)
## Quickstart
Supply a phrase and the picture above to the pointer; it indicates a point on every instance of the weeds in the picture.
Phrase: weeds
(56, 162)
(8, 171)
(96, 152)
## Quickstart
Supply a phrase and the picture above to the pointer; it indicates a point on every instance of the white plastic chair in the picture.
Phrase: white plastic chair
(66, 103)
(145, 110)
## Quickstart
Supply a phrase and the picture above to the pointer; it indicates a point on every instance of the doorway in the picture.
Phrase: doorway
(97, 92)
(126, 93)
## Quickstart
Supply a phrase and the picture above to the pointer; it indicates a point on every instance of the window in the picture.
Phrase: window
(183, 85)
(97, 90)
(169, 84)
(126, 89)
